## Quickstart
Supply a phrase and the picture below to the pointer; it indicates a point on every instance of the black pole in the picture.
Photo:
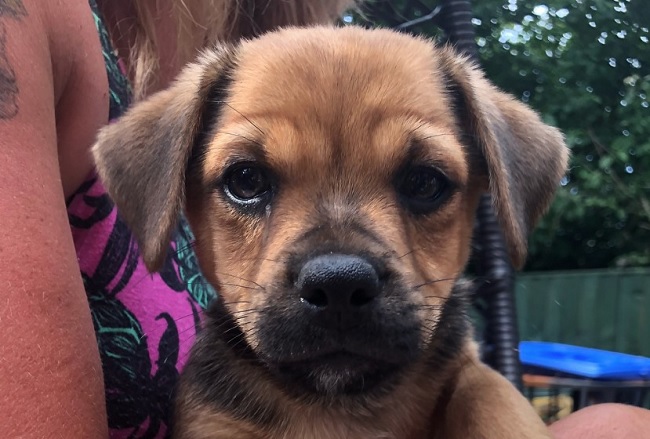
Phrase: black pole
(456, 21)
(501, 331)
(492, 261)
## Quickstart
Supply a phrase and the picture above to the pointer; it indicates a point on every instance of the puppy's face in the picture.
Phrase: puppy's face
(332, 185)
(334, 222)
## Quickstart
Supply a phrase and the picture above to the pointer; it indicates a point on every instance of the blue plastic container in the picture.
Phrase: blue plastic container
(584, 362)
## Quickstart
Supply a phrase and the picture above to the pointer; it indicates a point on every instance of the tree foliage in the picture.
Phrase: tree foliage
(585, 66)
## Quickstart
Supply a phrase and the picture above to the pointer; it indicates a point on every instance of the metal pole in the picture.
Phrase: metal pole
(493, 263)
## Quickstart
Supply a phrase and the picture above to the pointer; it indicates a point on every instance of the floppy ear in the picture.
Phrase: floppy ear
(523, 157)
(142, 158)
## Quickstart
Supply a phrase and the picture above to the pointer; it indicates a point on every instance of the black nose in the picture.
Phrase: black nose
(337, 282)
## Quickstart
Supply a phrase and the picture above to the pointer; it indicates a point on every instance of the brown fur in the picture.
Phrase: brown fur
(333, 113)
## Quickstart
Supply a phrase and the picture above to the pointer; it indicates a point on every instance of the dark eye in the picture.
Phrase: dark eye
(423, 188)
(247, 183)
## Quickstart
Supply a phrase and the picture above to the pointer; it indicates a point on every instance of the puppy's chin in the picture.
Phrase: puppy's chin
(337, 374)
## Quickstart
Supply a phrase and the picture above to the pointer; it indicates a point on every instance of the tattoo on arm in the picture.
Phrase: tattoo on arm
(13, 9)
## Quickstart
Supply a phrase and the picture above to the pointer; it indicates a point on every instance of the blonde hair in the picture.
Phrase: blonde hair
(204, 22)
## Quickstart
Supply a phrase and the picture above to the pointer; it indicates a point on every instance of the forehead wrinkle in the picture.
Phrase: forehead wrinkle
(395, 134)
(343, 79)
(441, 144)
(230, 139)
(300, 151)
(319, 128)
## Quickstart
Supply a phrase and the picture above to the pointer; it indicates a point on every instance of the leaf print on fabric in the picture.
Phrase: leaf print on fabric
(169, 272)
(124, 352)
(119, 255)
(101, 207)
(145, 323)
(189, 273)
(118, 85)
(135, 399)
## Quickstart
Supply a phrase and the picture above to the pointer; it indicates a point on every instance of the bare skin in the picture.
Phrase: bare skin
(8, 86)
(53, 98)
(604, 421)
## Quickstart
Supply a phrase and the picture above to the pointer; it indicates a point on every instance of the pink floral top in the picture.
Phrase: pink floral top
(145, 324)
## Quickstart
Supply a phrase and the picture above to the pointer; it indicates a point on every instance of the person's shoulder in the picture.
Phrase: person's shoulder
(59, 35)
(71, 32)
(53, 71)
(47, 343)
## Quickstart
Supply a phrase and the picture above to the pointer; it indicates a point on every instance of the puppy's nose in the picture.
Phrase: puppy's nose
(337, 282)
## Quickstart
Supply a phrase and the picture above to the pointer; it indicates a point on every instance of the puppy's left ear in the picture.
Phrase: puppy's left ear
(523, 157)
(142, 158)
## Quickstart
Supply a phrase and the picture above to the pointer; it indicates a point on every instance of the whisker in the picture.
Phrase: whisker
(242, 115)
(235, 302)
(241, 286)
(221, 273)
(246, 310)
(193, 244)
(186, 330)
(235, 328)
(423, 123)
(221, 325)
(235, 338)
(244, 313)
(182, 248)
(178, 319)
(408, 253)
(433, 281)
(249, 139)
(261, 259)
(241, 326)
(426, 306)
(438, 135)
(242, 338)
(435, 296)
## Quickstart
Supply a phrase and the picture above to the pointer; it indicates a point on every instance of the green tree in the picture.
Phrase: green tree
(585, 66)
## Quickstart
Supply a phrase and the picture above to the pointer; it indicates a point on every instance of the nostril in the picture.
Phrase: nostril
(316, 297)
(361, 297)
(337, 283)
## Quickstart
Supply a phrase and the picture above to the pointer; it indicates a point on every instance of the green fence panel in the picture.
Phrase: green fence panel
(605, 309)
(634, 307)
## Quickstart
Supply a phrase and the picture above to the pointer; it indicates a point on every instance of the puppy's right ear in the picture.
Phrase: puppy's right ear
(523, 158)
(142, 158)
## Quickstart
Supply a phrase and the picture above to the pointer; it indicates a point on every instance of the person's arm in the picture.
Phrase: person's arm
(604, 421)
(50, 373)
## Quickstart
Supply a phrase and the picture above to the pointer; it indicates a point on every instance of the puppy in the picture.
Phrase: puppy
(331, 177)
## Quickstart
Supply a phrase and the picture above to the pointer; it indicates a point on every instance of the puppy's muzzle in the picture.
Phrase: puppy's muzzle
(335, 288)
(340, 322)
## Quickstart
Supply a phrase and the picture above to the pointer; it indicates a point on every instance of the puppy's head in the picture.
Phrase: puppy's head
(331, 177)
